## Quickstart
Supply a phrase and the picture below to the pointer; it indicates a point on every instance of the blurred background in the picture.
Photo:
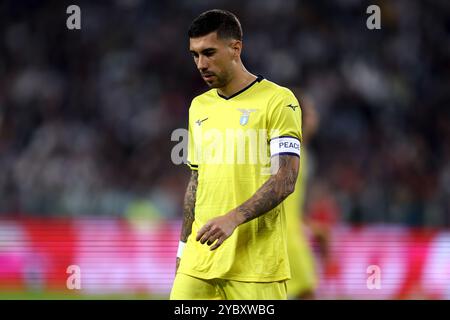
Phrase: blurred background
(86, 116)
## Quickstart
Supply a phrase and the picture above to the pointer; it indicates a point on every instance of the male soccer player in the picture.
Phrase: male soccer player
(233, 237)
(304, 279)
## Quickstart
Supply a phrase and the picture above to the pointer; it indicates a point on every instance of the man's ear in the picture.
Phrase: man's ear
(236, 46)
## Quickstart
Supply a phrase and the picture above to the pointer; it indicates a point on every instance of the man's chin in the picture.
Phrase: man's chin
(212, 84)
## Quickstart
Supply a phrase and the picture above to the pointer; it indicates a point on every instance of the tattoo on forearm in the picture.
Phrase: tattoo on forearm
(274, 190)
(189, 206)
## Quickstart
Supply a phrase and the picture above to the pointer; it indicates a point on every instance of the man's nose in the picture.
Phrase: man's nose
(202, 64)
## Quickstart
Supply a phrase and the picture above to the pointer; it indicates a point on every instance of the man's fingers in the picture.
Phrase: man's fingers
(213, 237)
(202, 231)
(207, 235)
(218, 243)
(214, 233)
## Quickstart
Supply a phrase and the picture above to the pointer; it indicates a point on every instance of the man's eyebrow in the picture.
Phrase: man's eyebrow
(207, 50)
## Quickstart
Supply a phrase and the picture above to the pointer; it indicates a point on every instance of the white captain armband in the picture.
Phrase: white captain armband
(285, 145)
(181, 246)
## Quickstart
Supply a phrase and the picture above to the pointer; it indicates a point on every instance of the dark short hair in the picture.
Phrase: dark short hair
(224, 22)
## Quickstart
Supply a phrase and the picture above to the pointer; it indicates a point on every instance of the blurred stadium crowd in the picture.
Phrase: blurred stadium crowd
(86, 116)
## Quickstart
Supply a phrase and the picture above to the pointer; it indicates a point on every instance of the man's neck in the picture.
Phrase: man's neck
(240, 80)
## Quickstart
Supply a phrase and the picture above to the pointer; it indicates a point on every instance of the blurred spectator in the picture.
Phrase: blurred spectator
(86, 116)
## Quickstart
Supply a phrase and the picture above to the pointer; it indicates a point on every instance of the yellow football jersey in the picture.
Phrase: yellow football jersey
(301, 258)
(231, 142)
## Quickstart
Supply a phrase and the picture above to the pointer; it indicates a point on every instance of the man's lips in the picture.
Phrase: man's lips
(207, 76)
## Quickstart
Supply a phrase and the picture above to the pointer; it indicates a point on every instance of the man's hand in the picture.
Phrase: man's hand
(268, 196)
(219, 228)
(177, 265)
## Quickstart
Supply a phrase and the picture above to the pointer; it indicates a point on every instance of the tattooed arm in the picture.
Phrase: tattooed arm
(268, 196)
(188, 209)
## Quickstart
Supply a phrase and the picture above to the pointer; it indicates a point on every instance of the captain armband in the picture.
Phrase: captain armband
(285, 145)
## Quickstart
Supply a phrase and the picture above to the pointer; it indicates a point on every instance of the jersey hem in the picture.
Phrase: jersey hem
(232, 277)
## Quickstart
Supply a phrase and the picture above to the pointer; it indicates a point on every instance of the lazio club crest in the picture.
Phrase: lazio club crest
(245, 115)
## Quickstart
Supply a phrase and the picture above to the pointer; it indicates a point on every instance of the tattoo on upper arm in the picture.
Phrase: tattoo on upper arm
(290, 165)
(274, 190)
(189, 206)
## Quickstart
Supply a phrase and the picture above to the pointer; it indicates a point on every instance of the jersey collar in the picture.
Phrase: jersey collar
(259, 78)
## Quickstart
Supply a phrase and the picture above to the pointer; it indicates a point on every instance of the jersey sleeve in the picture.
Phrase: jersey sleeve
(284, 124)
(192, 161)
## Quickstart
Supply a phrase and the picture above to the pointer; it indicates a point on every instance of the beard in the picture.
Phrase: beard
(216, 81)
